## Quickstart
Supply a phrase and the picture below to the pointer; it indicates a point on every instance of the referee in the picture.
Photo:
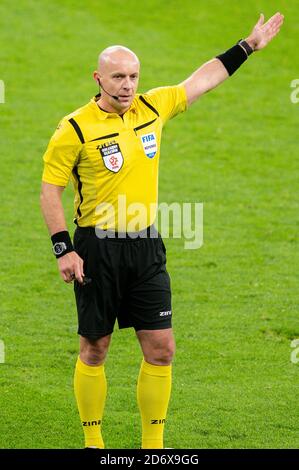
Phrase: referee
(110, 148)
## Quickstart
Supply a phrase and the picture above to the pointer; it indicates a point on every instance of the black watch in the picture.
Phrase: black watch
(248, 49)
(59, 249)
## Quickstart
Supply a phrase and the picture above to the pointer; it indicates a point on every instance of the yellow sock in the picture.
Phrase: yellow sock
(153, 393)
(90, 391)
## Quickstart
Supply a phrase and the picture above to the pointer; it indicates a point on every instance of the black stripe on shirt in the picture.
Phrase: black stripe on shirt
(75, 171)
(77, 129)
(148, 105)
(105, 137)
(144, 125)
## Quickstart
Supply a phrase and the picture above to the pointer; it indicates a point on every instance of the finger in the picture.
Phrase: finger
(81, 266)
(65, 276)
(274, 33)
(275, 19)
(78, 274)
(69, 275)
(260, 21)
(275, 28)
(269, 28)
(280, 20)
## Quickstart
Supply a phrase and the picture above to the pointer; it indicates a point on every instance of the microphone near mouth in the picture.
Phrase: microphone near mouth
(112, 96)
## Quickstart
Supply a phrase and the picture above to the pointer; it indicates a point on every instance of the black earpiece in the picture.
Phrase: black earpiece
(112, 96)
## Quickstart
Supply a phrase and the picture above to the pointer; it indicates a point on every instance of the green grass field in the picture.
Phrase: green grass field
(235, 300)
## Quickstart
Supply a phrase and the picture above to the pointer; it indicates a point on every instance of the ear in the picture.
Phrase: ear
(96, 76)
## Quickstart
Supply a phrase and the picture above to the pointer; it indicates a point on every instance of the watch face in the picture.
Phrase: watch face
(59, 248)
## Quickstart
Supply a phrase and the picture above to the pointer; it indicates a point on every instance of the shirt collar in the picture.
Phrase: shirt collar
(105, 114)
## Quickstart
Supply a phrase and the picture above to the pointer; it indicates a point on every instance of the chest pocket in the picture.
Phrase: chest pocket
(109, 150)
(116, 150)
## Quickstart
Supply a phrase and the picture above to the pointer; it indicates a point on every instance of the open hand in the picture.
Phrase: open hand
(263, 33)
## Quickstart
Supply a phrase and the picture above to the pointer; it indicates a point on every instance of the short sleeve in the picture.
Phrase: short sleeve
(61, 155)
(168, 100)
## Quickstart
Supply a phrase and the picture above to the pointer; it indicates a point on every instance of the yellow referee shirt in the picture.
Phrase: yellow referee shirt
(113, 160)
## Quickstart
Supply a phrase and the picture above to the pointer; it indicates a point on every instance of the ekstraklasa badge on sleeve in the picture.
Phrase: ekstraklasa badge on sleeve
(112, 157)
(149, 143)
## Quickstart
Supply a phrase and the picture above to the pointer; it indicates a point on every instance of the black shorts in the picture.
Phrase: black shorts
(129, 281)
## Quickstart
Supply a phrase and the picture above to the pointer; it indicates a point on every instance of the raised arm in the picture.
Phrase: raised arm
(215, 71)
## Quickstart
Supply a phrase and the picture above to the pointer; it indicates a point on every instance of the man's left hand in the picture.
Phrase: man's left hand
(263, 33)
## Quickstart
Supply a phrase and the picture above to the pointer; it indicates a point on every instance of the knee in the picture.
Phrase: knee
(94, 352)
(161, 356)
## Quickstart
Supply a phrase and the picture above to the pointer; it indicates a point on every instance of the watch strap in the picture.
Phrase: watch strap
(248, 49)
(62, 243)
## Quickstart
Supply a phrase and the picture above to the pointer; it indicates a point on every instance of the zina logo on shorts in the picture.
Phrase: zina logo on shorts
(165, 314)
(149, 143)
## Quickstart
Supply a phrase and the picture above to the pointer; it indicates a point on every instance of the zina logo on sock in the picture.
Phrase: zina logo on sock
(91, 423)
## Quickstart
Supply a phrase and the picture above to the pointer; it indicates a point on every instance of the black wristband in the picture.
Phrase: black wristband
(62, 243)
(233, 58)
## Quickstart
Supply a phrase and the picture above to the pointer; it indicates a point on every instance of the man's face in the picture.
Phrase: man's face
(119, 76)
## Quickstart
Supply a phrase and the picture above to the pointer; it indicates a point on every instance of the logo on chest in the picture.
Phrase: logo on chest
(112, 156)
(149, 143)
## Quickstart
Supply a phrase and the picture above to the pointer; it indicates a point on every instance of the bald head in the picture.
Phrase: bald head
(115, 55)
(117, 75)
